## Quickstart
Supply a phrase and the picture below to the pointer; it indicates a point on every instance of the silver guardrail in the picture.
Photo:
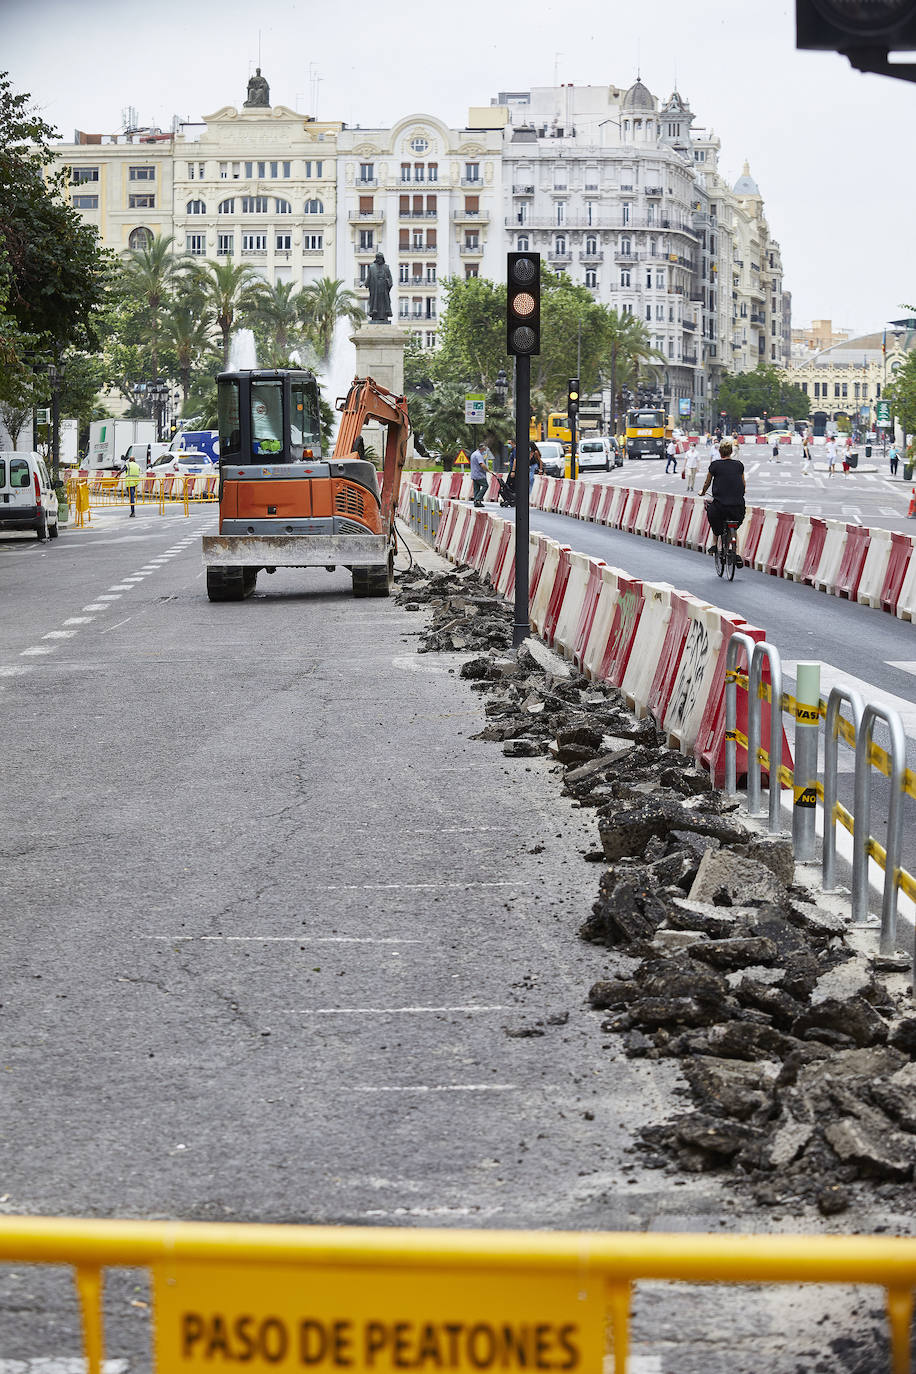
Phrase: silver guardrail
(802, 778)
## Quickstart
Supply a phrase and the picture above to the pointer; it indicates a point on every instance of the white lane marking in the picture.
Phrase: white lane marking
(59, 1364)
(59, 634)
(410, 887)
(79, 620)
(120, 587)
(907, 664)
(37, 649)
(438, 1088)
(110, 596)
(96, 606)
(832, 676)
(376, 1011)
(16, 670)
(288, 939)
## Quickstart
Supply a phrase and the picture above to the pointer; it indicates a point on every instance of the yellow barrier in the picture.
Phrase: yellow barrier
(282, 1297)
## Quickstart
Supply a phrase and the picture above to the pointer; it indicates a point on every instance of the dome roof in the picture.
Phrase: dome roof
(746, 185)
(639, 99)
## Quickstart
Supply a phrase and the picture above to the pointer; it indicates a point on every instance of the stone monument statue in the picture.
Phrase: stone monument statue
(258, 91)
(378, 279)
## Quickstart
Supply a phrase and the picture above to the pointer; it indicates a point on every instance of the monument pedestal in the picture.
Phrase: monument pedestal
(380, 355)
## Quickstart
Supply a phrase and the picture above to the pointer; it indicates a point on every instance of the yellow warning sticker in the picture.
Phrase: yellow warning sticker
(806, 796)
(284, 1318)
(809, 715)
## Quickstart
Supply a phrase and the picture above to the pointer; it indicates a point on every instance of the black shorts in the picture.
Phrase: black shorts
(719, 515)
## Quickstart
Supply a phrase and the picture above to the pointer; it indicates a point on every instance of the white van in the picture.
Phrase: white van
(27, 499)
(145, 454)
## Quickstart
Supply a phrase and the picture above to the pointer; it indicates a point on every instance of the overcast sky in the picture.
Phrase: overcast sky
(827, 145)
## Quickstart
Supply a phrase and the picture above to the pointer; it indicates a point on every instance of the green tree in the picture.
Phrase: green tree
(189, 333)
(276, 315)
(901, 393)
(152, 272)
(230, 292)
(767, 389)
(324, 302)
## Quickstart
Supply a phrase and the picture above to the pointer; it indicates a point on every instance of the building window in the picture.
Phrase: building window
(845, 391)
(659, 312)
(314, 207)
(648, 312)
(366, 239)
(560, 179)
(625, 247)
(310, 167)
(85, 202)
(312, 243)
(195, 244)
(432, 171)
(254, 243)
(430, 274)
(625, 276)
(559, 243)
(81, 175)
(521, 243)
(405, 171)
(470, 270)
(283, 243)
(804, 387)
(254, 205)
(144, 201)
(367, 171)
(288, 169)
(196, 207)
(419, 144)
(471, 240)
(625, 211)
(591, 278)
(649, 277)
(225, 245)
(591, 178)
(419, 171)
(227, 207)
(223, 171)
(282, 207)
(836, 391)
(140, 238)
(430, 338)
(591, 245)
(141, 174)
(472, 171)
(403, 276)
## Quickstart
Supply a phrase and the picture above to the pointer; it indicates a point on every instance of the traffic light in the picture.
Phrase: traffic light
(523, 304)
(572, 400)
(864, 30)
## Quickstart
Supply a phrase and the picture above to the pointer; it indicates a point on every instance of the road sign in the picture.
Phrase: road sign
(462, 461)
(43, 416)
(376, 1317)
(883, 413)
(475, 408)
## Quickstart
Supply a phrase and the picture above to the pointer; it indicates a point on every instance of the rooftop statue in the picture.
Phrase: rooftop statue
(258, 91)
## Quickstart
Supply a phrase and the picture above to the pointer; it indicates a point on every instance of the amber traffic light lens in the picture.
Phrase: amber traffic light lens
(523, 303)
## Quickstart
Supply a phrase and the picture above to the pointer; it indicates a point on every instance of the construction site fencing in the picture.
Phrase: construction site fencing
(102, 490)
(282, 1297)
(809, 790)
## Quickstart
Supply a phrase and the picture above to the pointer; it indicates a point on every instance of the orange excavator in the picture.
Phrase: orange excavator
(281, 504)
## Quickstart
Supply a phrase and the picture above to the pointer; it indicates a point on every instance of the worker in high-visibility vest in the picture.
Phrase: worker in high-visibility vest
(132, 481)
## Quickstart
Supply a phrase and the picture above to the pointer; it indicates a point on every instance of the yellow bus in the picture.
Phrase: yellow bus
(646, 433)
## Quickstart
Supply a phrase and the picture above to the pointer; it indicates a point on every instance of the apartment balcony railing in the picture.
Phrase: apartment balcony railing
(689, 324)
(418, 214)
(564, 256)
(587, 257)
(523, 190)
(366, 216)
(690, 358)
(368, 183)
(471, 182)
(471, 250)
(655, 190)
(477, 216)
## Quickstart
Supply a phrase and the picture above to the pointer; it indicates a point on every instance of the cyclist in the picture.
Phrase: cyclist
(726, 477)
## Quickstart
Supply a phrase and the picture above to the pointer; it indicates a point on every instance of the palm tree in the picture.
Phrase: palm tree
(189, 332)
(152, 271)
(324, 303)
(229, 291)
(279, 311)
(628, 350)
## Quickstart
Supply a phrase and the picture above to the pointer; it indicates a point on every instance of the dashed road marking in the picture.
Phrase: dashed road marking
(79, 620)
(59, 634)
(36, 649)
(16, 670)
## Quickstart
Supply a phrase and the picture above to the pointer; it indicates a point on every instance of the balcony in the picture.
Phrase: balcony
(471, 250)
(655, 190)
(474, 216)
(472, 183)
(523, 190)
(591, 257)
(366, 216)
(368, 184)
(369, 252)
(690, 325)
(417, 248)
(757, 319)
(565, 256)
(690, 358)
(418, 214)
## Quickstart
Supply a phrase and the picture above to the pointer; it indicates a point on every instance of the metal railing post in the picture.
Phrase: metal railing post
(737, 642)
(762, 651)
(862, 809)
(807, 734)
(831, 742)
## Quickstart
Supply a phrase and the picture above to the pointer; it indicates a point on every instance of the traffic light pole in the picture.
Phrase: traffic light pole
(520, 628)
(573, 428)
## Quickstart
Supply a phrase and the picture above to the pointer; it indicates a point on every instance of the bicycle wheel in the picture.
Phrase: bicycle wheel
(731, 559)
(718, 554)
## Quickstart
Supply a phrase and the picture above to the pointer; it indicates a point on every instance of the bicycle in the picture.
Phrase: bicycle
(725, 551)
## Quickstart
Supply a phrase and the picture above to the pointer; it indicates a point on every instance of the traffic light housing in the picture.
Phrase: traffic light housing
(572, 400)
(523, 304)
(864, 30)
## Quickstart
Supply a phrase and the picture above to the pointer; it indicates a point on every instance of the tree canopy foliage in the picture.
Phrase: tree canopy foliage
(766, 389)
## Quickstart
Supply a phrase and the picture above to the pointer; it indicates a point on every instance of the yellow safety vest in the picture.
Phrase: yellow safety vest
(132, 473)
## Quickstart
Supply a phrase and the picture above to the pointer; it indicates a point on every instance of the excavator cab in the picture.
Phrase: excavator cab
(281, 503)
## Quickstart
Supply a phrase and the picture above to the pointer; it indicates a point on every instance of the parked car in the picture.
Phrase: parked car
(181, 463)
(553, 457)
(27, 499)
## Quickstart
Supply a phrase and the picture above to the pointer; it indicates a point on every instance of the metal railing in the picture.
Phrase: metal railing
(574, 1289)
(808, 709)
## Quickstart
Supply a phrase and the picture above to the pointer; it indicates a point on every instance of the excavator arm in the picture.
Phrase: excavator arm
(367, 401)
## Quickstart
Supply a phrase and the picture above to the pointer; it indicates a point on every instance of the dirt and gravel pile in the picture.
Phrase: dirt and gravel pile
(799, 1053)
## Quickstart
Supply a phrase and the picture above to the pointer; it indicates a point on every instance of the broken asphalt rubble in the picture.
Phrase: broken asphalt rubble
(800, 1062)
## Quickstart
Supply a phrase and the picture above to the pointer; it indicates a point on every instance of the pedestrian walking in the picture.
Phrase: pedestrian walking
(131, 482)
(807, 465)
(535, 464)
(691, 463)
(893, 458)
(480, 471)
(671, 451)
(775, 457)
(831, 455)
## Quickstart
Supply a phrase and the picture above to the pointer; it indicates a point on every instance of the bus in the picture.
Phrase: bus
(645, 437)
(779, 422)
(750, 425)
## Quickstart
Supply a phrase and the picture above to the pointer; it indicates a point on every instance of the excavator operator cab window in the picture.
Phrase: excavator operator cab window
(304, 434)
(230, 433)
(267, 417)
